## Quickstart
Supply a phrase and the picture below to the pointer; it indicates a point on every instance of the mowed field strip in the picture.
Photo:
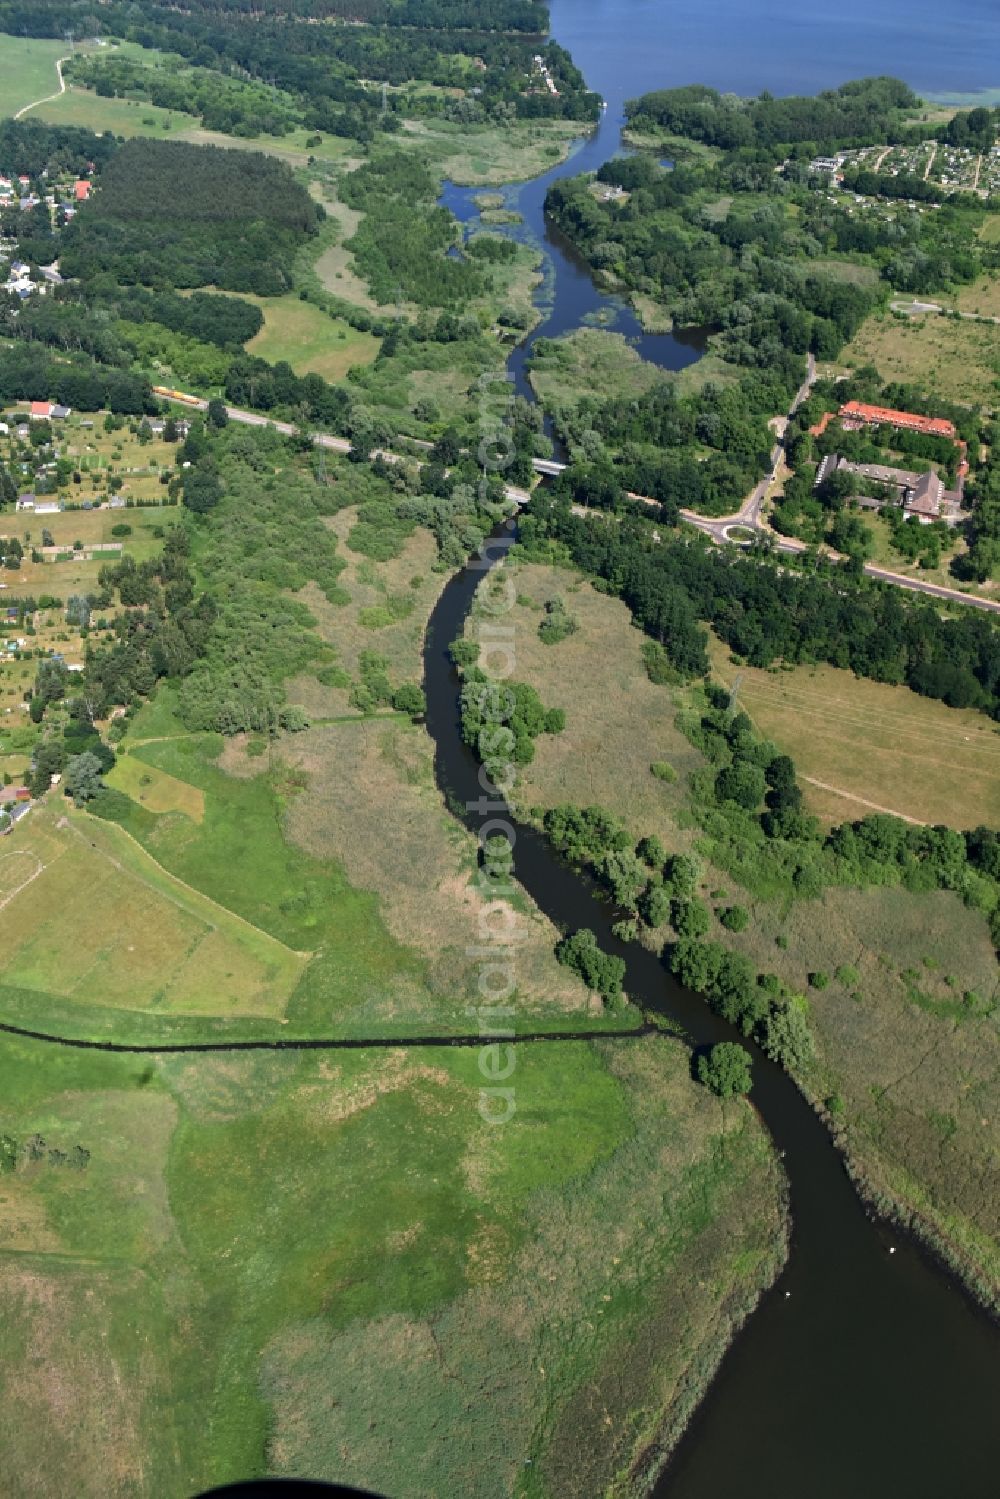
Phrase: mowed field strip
(98, 921)
(875, 744)
(156, 789)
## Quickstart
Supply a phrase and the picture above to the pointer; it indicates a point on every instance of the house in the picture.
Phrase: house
(9, 794)
(921, 495)
(81, 190)
(25, 502)
(40, 411)
(60, 413)
(924, 500)
(859, 414)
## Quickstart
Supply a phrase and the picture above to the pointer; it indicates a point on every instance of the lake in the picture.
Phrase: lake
(626, 47)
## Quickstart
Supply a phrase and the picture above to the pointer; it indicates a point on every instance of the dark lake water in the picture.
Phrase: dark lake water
(864, 1374)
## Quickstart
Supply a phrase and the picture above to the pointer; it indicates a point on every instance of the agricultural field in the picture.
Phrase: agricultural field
(959, 358)
(231, 1270)
(873, 746)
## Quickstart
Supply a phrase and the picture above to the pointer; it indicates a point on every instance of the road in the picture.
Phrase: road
(61, 90)
(914, 309)
(717, 528)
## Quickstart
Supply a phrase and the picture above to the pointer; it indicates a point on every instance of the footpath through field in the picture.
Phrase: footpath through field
(61, 90)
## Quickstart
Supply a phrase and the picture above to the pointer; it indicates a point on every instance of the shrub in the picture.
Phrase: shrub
(726, 1070)
(690, 918)
(599, 970)
(662, 771)
(410, 699)
(786, 1038)
(847, 975)
(735, 918)
(819, 980)
(557, 624)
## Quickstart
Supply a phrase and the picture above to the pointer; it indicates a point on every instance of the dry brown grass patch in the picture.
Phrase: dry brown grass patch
(617, 720)
(885, 745)
(372, 804)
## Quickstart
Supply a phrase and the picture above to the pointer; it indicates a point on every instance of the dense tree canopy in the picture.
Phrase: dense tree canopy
(170, 214)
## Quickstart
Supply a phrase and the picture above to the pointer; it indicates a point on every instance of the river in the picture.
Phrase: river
(864, 1373)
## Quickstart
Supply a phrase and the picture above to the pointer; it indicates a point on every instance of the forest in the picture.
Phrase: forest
(30, 147)
(171, 214)
(867, 110)
(400, 244)
(319, 67)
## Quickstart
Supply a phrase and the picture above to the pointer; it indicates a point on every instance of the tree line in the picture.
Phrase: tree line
(866, 109)
(766, 612)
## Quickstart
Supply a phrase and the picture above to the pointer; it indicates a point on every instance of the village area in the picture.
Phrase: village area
(950, 168)
(81, 490)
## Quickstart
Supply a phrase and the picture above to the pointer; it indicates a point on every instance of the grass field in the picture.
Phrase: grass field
(983, 296)
(311, 342)
(876, 744)
(155, 790)
(93, 919)
(489, 155)
(364, 776)
(126, 117)
(611, 737)
(28, 70)
(129, 117)
(913, 1064)
(267, 1258)
(883, 553)
(335, 264)
(958, 358)
(567, 369)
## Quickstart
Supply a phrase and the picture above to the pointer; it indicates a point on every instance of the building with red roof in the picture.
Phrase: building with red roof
(878, 416)
(82, 189)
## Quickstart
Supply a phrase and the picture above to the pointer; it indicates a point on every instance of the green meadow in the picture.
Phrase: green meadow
(28, 70)
(269, 1262)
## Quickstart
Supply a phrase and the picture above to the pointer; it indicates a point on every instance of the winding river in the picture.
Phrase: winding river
(863, 1374)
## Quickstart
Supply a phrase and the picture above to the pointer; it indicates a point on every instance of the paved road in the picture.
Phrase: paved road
(717, 528)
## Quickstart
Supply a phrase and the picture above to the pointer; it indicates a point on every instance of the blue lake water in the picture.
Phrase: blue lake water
(625, 47)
